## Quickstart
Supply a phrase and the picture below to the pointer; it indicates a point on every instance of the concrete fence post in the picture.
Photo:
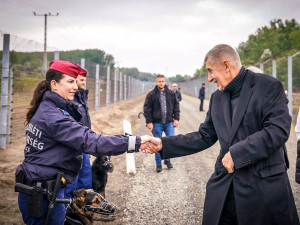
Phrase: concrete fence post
(108, 86)
(125, 87)
(4, 90)
(261, 66)
(97, 89)
(290, 85)
(121, 87)
(56, 55)
(10, 100)
(115, 85)
(274, 69)
(82, 63)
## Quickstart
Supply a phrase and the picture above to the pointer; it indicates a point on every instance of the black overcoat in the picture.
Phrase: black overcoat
(255, 139)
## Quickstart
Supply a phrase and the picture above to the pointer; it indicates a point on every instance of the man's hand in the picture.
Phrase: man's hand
(175, 123)
(150, 126)
(150, 144)
(228, 162)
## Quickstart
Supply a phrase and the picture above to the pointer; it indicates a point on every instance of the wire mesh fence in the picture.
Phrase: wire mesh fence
(106, 85)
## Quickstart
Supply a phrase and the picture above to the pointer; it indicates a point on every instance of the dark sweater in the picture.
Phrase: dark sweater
(234, 89)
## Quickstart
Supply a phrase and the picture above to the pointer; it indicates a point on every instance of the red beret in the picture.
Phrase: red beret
(65, 67)
(83, 73)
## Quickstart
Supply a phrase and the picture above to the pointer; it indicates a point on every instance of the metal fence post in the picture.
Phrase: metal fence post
(121, 87)
(10, 101)
(56, 55)
(4, 90)
(108, 86)
(274, 68)
(115, 85)
(290, 85)
(97, 91)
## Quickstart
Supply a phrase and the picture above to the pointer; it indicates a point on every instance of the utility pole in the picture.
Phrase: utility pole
(45, 38)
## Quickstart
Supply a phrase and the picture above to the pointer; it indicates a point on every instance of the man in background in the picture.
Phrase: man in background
(84, 179)
(161, 110)
(176, 92)
(202, 96)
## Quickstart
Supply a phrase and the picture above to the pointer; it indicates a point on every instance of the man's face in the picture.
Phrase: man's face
(174, 88)
(218, 74)
(161, 82)
(81, 82)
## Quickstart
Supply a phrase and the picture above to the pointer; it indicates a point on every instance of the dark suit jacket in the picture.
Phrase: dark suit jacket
(255, 139)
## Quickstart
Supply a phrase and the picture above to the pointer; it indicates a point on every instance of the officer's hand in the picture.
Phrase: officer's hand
(150, 144)
(228, 162)
(150, 126)
(175, 123)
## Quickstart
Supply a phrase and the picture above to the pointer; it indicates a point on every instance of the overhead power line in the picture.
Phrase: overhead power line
(45, 37)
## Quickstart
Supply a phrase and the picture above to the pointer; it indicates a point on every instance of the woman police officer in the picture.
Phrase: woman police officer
(55, 141)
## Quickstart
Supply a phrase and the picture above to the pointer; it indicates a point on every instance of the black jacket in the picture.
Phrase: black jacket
(178, 95)
(255, 139)
(152, 109)
(202, 93)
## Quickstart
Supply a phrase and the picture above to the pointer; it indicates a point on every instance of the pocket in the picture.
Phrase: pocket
(272, 170)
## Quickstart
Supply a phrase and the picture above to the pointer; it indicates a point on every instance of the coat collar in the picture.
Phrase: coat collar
(62, 103)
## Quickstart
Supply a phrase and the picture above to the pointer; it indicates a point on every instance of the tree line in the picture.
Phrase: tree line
(276, 41)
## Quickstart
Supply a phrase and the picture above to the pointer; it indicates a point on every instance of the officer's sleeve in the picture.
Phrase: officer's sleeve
(276, 123)
(176, 112)
(81, 138)
(182, 145)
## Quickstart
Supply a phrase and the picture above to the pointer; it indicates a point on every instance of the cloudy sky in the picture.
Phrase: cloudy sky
(157, 36)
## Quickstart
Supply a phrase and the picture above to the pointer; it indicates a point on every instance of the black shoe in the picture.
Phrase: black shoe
(158, 169)
(169, 164)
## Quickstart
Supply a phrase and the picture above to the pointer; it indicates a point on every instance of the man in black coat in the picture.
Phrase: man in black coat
(161, 110)
(202, 96)
(249, 117)
(176, 92)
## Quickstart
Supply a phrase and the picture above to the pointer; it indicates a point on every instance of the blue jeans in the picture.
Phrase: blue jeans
(84, 178)
(57, 216)
(158, 129)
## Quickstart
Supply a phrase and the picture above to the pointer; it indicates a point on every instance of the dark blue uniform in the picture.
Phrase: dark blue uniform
(84, 179)
(55, 142)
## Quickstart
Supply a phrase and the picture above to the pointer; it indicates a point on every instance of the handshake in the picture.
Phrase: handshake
(150, 144)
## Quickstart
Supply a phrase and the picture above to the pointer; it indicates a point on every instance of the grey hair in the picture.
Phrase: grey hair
(222, 52)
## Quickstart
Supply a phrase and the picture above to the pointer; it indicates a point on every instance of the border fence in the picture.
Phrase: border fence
(106, 85)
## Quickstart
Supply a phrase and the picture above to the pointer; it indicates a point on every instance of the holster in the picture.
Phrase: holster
(34, 192)
(36, 200)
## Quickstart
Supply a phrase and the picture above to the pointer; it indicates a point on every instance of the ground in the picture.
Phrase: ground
(173, 196)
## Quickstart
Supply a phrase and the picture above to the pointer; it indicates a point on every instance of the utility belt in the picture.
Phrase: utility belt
(37, 191)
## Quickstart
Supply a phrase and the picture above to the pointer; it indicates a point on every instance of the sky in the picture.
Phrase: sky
(157, 36)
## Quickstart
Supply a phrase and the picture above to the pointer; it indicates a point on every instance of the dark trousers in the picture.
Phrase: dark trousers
(229, 216)
(201, 104)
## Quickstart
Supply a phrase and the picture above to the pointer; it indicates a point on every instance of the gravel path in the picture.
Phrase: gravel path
(173, 196)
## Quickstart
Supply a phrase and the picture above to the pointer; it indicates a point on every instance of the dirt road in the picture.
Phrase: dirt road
(173, 196)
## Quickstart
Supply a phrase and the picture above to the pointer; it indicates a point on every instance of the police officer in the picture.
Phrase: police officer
(84, 178)
(55, 140)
